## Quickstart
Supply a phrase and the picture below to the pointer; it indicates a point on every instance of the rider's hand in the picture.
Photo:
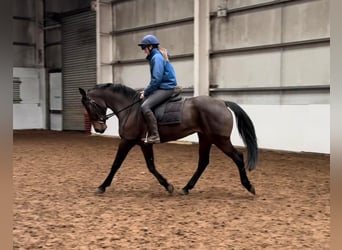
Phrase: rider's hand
(142, 95)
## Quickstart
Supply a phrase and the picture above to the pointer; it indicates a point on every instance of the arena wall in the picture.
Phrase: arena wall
(271, 57)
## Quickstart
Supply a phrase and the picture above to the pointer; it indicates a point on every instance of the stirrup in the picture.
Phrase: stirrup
(153, 139)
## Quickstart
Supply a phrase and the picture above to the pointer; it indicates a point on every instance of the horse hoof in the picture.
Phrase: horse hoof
(100, 190)
(252, 190)
(184, 191)
(170, 188)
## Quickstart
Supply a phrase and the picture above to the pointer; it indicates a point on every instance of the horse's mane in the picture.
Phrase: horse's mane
(117, 87)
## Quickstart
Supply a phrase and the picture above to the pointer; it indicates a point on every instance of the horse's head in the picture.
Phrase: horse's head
(96, 109)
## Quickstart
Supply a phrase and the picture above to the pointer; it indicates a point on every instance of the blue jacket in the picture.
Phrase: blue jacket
(162, 73)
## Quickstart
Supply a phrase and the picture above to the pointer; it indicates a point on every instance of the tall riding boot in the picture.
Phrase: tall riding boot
(152, 128)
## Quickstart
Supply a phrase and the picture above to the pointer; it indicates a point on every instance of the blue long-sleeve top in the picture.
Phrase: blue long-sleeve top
(162, 73)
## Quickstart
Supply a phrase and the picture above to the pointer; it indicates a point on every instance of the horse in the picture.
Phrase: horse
(210, 118)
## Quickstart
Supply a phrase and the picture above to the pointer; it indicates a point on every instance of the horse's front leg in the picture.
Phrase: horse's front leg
(124, 147)
(147, 150)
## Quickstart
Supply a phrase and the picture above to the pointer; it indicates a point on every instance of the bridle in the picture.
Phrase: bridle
(102, 118)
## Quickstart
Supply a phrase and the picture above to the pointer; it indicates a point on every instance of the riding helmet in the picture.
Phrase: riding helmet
(149, 40)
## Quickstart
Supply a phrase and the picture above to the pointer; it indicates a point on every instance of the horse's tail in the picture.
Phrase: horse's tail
(247, 133)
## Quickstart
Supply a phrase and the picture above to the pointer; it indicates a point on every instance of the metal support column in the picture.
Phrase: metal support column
(96, 7)
(201, 47)
(39, 60)
(104, 41)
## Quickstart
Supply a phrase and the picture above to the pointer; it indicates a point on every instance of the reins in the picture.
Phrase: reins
(106, 117)
(123, 109)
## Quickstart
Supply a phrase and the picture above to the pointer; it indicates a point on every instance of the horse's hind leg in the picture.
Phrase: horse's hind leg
(226, 146)
(147, 150)
(203, 161)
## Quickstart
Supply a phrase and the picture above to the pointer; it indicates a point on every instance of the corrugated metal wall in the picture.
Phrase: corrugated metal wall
(270, 56)
(262, 52)
(79, 65)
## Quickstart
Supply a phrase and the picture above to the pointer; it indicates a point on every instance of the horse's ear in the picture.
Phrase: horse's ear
(83, 93)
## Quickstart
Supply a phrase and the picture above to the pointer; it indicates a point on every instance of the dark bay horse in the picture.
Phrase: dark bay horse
(208, 117)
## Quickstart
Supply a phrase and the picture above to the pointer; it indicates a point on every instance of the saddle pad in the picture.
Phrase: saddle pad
(169, 113)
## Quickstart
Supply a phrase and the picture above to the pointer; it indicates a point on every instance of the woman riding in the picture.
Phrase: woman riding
(162, 84)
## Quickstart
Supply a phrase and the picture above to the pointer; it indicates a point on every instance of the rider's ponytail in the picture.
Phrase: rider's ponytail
(163, 51)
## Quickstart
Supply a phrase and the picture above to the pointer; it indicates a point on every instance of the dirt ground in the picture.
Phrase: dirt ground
(55, 175)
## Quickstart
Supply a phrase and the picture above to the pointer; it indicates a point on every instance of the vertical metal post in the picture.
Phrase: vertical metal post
(201, 47)
(39, 60)
(39, 33)
(104, 41)
(96, 8)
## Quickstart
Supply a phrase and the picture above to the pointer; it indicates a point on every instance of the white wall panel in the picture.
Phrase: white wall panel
(106, 74)
(167, 10)
(305, 20)
(30, 113)
(106, 49)
(291, 127)
(27, 116)
(134, 76)
(138, 75)
(106, 20)
(300, 128)
(131, 14)
(260, 98)
(184, 72)
(308, 96)
(233, 4)
(306, 66)
(56, 122)
(244, 30)
(177, 40)
(126, 46)
(248, 69)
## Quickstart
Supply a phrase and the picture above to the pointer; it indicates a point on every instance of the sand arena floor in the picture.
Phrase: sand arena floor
(55, 175)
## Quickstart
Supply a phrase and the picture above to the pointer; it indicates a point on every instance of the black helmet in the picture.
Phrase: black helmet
(149, 40)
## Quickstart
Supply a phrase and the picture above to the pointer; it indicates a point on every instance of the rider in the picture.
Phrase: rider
(161, 86)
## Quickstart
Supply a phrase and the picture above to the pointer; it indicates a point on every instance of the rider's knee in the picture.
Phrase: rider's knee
(145, 108)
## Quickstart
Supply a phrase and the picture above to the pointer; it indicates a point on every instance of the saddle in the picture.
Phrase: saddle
(169, 112)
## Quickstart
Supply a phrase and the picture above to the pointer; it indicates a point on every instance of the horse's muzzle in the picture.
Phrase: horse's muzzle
(99, 127)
